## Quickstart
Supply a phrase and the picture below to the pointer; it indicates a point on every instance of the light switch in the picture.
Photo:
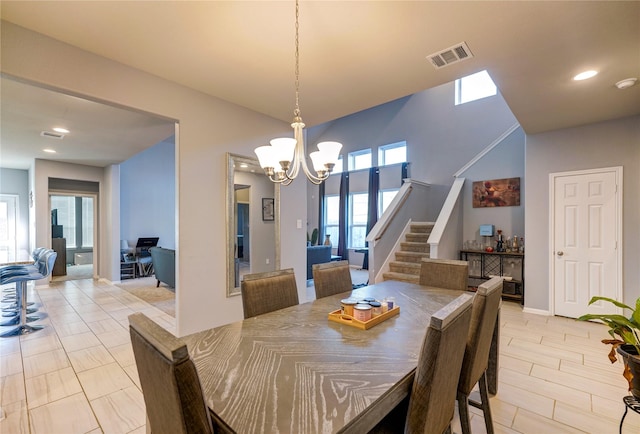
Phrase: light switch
(299, 224)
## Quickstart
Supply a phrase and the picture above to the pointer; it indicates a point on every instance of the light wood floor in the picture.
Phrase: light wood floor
(78, 375)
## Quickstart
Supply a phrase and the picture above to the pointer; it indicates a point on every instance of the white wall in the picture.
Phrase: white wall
(209, 127)
(147, 195)
(605, 144)
(506, 160)
(441, 139)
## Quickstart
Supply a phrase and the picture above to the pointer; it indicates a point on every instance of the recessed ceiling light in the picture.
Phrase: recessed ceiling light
(586, 74)
(627, 82)
(61, 130)
(50, 151)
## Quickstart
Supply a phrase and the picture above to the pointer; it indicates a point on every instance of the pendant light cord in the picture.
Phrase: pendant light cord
(296, 111)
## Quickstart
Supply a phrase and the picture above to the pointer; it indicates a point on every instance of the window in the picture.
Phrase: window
(360, 159)
(392, 154)
(386, 196)
(358, 219)
(473, 87)
(331, 218)
(66, 206)
(87, 222)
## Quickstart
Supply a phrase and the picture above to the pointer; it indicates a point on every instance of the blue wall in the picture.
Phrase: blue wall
(148, 195)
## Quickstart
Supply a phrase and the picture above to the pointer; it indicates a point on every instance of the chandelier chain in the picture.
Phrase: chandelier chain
(296, 111)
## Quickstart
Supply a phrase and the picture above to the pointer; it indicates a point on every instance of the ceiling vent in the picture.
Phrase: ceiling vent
(451, 55)
(52, 135)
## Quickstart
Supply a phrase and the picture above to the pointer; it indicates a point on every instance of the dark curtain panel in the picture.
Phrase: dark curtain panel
(344, 213)
(405, 172)
(374, 188)
(320, 213)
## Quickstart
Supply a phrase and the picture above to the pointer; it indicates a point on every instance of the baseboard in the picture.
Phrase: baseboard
(536, 311)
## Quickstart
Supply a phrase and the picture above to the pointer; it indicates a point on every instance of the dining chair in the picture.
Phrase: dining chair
(266, 292)
(431, 404)
(170, 383)
(331, 278)
(484, 314)
(444, 273)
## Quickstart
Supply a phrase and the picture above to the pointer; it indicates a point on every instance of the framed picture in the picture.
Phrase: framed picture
(267, 209)
(496, 192)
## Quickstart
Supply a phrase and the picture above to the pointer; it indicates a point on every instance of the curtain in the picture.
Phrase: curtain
(374, 188)
(321, 213)
(405, 172)
(344, 215)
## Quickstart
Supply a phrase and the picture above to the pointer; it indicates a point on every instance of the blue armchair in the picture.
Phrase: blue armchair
(164, 265)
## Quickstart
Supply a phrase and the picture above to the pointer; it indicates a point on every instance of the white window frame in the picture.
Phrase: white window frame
(382, 150)
(474, 87)
(352, 156)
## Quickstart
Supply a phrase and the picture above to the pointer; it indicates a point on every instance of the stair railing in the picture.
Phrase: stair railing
(446, 236)
(408, 205)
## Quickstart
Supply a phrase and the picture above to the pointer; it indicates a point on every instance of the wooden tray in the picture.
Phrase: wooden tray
(339, 317)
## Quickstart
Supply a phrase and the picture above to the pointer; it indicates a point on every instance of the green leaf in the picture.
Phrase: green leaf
(610, 300)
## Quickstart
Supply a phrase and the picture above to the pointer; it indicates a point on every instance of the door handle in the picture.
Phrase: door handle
(560, 253)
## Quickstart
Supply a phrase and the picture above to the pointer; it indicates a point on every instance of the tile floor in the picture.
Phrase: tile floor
(78, 375)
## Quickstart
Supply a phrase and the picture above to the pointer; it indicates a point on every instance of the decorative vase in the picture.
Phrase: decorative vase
(327, 240)
(631, 361)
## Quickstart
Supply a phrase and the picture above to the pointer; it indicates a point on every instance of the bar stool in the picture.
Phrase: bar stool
(44, 268)
(13, 270)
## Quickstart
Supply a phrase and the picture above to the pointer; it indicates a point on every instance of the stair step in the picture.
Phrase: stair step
(405, 267)
(411, 256)
(414, 247)
(417, 227)
(421, 237)
(401, 276)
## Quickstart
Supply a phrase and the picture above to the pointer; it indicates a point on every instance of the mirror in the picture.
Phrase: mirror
(253, 234)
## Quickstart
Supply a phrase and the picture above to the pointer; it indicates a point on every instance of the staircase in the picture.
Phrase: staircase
(406, 267)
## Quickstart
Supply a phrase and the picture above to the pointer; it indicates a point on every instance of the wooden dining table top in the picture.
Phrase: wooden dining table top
(294, 371)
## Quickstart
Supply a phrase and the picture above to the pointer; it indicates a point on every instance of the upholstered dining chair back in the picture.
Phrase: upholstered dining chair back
(170, 384)
(331, 278)
(486, 304)
(444, 273)
(266, 292)
(433, 394)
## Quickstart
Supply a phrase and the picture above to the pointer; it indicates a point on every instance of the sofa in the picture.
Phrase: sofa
(317, 255)
(164, 265)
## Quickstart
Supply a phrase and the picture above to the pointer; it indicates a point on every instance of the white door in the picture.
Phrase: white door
(8, 228)
(586, 229)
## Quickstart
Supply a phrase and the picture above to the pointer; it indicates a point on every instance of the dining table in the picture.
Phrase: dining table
(295, 371)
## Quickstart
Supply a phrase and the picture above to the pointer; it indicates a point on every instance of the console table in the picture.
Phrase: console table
(484, 265)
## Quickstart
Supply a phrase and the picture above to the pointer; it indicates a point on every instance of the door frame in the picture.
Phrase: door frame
(96, 221)
(617, 170)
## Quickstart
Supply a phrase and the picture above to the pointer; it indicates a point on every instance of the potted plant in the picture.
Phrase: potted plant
(626, 339)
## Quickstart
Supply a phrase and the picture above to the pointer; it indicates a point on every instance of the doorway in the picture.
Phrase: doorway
(586, 230)
(73, 235)
(8, 228)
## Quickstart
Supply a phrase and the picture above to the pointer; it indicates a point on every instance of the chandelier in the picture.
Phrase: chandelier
(281, 160)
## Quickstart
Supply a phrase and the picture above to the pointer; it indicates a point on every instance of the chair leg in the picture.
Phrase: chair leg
(486, 408)
(158, 284)
(463, 410)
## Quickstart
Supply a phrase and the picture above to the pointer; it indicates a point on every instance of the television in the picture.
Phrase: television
(143, 245)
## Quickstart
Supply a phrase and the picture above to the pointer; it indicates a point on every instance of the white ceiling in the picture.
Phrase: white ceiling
(358, 54)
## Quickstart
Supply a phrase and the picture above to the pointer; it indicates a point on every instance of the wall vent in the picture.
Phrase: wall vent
(451, 55)
(52, 135)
